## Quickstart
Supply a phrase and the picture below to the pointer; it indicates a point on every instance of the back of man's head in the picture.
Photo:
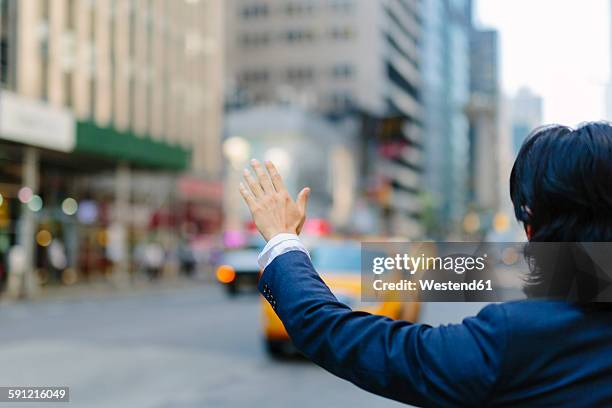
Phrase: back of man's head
(561, 183)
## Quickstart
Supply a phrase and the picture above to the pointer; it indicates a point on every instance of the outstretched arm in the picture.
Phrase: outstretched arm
(454, 365)
(446, 366)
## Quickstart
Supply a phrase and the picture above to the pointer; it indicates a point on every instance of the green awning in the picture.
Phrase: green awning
(112, 144)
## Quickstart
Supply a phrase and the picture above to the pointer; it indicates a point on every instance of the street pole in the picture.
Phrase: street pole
(22, 275)
(119, 230)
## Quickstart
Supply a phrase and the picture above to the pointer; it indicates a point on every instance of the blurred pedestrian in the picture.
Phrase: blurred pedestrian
(58, 261)
(151, 257)
(186, 258)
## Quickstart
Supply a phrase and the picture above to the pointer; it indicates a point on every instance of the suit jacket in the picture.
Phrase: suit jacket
(525, 353)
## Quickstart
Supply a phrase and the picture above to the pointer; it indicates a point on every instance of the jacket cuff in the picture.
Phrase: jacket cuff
(278, 245)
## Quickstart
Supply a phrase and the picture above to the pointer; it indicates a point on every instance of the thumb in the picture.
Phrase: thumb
(302, 199)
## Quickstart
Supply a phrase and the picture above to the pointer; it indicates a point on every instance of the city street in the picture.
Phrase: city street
(168, 348)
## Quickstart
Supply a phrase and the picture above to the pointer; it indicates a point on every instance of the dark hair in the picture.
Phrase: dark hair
(561, 186)
(561, 183)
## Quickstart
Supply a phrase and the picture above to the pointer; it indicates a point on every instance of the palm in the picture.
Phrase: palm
(271, 206)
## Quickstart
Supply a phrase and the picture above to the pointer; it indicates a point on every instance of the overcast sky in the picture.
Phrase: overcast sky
(558, 48)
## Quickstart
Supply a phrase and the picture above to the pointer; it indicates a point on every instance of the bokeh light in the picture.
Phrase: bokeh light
(87, 212)
(237, 150)
(281, 159)
(510, 256)
(102, 238)
(25, 194)
(225, 274)
(35, 203)
(44, 238)
(1, 200)
(501, 222)
(471, 223)
(70, 206)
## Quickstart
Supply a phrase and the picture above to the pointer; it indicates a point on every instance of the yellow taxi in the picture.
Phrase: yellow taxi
(339, 265)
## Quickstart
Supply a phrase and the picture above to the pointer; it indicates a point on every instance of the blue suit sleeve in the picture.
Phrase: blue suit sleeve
(412, 363)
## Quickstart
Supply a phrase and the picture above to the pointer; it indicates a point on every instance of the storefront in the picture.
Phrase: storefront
(78, 199)
(28, 128)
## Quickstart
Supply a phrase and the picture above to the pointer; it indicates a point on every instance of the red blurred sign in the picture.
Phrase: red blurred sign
(317, 226)
(194, 188)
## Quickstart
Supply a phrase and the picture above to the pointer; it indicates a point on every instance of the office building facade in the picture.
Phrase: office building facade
(146, 68)
(339, 56)
(446, 77)
(526, 115)
(484, 112)
(94, 95)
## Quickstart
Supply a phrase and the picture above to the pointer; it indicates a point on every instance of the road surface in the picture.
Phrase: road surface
(190, 347)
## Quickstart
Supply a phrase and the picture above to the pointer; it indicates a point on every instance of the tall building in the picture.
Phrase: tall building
(93, 95)
(149, 69)
(326, 55)
(333, 56)
(526, 115)
(518, 116)
(483, 111)
(446, 77)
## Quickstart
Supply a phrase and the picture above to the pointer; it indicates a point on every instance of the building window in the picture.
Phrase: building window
(4, 60)
(299, 36)
(254, 76)
(254, 39)
(92, 64)
(342, 6)
(68, 90)
(300, 74)
(342, 33)
(4, 41)
(343, 71)
(254, 11)
(70, 15)
(299, 8)
(340, 100)
(44, 49)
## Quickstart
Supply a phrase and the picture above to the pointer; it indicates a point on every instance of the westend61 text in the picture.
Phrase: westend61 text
(432, 285)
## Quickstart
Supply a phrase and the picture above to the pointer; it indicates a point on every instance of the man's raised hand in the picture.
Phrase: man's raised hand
(272, 208)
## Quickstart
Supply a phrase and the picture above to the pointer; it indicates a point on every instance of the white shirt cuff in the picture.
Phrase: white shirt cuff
(278, 245)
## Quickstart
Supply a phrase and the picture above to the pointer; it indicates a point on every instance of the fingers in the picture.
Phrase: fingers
(277, 180)
(247, 196)
(302, 199)
(252, 183)
(264, 179)
(301, 202)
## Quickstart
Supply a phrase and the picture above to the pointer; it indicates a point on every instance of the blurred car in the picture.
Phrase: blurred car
(239, 269)
(339, 265)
